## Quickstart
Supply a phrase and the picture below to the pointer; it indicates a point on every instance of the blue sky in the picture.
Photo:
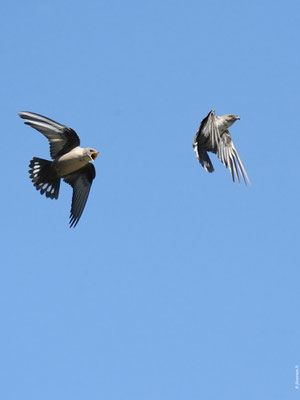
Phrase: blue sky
(175, 284)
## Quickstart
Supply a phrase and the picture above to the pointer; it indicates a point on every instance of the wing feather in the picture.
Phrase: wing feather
(81, 182)
(61, 138)
(207, 136)
(229, 156)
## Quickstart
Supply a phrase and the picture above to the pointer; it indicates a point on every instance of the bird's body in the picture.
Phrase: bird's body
(213, 136)
(70, 162)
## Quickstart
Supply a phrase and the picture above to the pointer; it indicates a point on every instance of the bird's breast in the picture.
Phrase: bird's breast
(70, 162)
(223, 124)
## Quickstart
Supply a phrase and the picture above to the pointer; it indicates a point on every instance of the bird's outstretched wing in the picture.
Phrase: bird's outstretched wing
(81, 182)
(229, 156)
(61, 138)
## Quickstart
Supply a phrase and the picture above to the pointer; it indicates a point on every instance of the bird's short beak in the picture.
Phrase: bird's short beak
(238, 117)
(94, 155)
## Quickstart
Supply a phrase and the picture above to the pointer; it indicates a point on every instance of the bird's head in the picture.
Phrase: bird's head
(230, 119)
(91, 153)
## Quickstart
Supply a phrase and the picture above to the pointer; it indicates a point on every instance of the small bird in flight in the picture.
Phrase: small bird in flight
(70, 162)
(213, 136)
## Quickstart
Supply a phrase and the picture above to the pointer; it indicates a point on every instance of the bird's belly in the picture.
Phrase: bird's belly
(65, 166)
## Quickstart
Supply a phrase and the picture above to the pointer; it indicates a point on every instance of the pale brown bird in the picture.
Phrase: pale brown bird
(213, 136)
(71, 163)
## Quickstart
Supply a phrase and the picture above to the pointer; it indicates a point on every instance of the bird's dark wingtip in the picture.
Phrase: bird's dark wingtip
(73, 221)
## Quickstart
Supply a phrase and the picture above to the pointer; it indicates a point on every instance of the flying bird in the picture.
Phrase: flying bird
(213, 136)
(70, 162)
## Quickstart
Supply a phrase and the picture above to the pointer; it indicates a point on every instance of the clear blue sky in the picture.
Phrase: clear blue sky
(175, 284)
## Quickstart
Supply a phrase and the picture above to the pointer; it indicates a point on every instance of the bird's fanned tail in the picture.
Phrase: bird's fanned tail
(44, 178)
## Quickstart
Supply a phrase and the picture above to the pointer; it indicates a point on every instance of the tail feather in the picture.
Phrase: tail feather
(44, 177)
(205, 161)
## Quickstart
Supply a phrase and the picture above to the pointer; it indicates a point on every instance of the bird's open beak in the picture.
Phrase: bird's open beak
(94, 155)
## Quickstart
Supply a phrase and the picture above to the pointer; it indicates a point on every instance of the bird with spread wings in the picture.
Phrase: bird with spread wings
(213, 136)
(70, 162)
